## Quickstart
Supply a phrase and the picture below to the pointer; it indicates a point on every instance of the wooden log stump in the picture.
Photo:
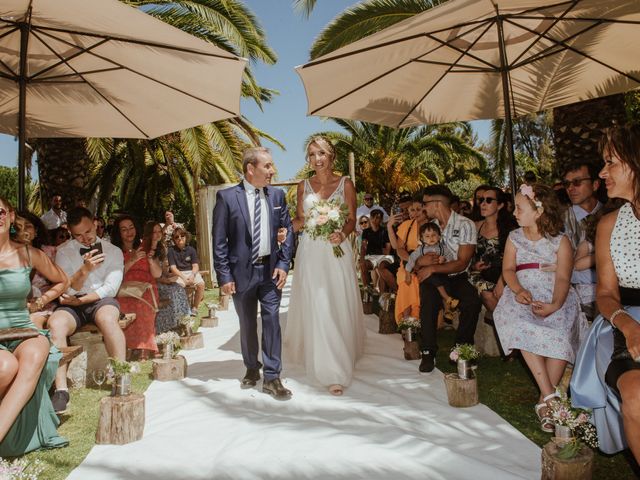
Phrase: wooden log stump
(166, 370)
(578, 468)
(411, 350)
(461, 392)
(367, 308)
(192, 342)
(121, 419)
(387, 323)
(223, 303)
(209, 322)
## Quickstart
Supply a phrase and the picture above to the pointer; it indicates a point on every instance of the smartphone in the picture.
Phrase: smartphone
(98, 247)
(396, 209)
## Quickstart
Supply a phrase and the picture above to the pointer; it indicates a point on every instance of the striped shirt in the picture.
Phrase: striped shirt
(458, 231)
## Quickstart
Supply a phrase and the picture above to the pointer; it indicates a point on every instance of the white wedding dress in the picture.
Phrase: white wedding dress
(325, 324)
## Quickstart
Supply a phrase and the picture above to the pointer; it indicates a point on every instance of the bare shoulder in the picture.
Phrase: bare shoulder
(607, 222)
(348, 184)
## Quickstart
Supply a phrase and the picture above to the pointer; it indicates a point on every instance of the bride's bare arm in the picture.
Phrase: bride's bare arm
(298, 221)
(350, 198)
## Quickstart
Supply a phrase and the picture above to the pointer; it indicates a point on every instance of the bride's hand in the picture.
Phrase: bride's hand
(336, 238)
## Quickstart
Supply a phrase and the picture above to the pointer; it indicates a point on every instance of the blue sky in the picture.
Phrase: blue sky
(290, 35)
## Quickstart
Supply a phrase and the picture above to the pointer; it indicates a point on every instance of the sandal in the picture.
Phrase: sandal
(336, 390)
(546, 421)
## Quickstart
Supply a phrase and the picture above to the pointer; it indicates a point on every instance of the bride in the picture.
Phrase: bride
(325, 328)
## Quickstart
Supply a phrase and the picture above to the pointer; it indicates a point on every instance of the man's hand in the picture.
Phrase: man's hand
(70, 300)
(424, 272)
(92, 261)
(228, 288)
(280, 277)
(430, 258)
(282, 234)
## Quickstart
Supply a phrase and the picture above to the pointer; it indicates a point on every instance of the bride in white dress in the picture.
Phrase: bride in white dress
(325, 325)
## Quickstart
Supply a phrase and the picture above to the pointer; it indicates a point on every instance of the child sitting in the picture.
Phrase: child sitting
(430, 238)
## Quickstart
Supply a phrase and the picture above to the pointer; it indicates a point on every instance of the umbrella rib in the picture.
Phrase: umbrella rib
(553, 49)
(113, 62)
(586, 55)
(88, 72)
(582, 19)
(139, 42)
(95, 89)
(67, 59)
(444, 74)
(469, 68)
(539, 37)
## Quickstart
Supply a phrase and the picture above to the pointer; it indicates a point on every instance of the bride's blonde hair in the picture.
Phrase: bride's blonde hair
(322, 142)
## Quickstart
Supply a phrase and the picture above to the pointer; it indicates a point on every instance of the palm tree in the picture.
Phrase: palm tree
(210, 152)
(390, 161)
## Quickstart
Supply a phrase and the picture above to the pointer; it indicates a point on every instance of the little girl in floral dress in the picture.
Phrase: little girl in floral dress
(539, 313)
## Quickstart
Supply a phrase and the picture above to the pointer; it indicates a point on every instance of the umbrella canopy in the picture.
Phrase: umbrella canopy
(99, 68)
(480, 59)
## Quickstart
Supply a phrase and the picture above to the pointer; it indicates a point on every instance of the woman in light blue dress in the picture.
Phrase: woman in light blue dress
(606, 377)
(28, 366)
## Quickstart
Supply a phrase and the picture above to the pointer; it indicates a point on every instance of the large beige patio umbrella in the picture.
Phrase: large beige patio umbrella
(480, 59)
(99, 68)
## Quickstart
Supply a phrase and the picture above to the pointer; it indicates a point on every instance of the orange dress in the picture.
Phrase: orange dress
(142, 332)
(407, 295)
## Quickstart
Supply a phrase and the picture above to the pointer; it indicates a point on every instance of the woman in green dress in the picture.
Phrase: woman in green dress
(27, 367)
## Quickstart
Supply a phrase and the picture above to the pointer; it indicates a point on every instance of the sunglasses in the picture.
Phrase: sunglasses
(368, 198)
(364, 223)
(175, 237)
(487, 200)
(576, 182)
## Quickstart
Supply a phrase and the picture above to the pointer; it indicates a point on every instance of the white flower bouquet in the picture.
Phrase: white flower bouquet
(168, 338)
(325, 218)
(409, 322)
(20, 469)
(577, 419)
(464, 351)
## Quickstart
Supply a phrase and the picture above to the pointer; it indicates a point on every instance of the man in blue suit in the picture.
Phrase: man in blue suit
(250, 266)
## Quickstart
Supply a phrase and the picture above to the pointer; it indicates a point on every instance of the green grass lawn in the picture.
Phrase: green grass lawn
(505, 387)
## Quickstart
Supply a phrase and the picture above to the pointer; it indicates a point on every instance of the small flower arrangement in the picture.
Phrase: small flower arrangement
(186, 325)
(325, 218)
(577, 419)
(464, 351)
(117, 368)
(168, 338)
(385, 300)
(20, 469)
(409, 322)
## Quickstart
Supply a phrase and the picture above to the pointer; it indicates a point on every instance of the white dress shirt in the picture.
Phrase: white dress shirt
(265, 244)
(104, 280)
(52, 220)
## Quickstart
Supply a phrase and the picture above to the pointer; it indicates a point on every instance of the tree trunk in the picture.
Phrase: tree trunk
(577, 128)
(64, 168)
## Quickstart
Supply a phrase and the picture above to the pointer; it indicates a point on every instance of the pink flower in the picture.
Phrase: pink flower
(322, 219)
(582, 418)
(527, 191)
(454, 355)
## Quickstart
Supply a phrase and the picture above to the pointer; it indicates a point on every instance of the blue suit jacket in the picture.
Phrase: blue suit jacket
(232, 234)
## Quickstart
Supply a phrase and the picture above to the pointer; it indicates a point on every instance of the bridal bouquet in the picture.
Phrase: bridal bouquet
(325, 218)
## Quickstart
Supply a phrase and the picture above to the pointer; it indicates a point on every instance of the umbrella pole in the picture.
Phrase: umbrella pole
(22, 131)
(504, 72)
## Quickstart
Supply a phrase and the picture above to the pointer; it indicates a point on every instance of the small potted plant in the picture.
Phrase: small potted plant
(120, 371)
(463, 354)
(386, 300)
(186, 325)
(212, 307)
(409, 327)
(170, 344)
(20, 469)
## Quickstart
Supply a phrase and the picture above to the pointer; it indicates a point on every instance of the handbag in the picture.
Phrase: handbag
(135, 289)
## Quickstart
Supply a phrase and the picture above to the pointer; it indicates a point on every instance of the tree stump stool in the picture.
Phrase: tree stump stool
(209, 322)
(223, 302)
(578, 468)
(166, 370)
(192, 342)
(412, 350)
(387, 323)
(461, 392)
(121, 419)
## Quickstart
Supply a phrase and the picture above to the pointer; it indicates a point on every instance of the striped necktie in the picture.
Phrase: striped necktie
(255, 244)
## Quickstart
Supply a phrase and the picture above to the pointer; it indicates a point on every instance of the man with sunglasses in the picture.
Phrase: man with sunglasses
(366, 208)
(581, 183)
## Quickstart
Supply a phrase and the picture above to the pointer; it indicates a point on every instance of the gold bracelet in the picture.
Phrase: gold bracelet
(614, 315)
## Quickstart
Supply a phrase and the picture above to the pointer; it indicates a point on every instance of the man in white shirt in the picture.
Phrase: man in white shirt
(95, 270)
(55, 217)
(581, 182)
(365, 209)
(459, 237)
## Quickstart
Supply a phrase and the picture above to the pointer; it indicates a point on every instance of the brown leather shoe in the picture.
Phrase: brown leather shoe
(251, 377)
(276, 389)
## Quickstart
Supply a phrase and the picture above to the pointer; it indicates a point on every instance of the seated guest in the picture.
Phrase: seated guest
(183, 262)
(59, 235)
(538, 312)
(366, 208)
(101, 230)
(606, 377)
(138, 293)
(27, 367)
(405, 240)
(31, 231)
(176, 303)
(169, 226)
(493, 230)
(95, 273)
(375, 248)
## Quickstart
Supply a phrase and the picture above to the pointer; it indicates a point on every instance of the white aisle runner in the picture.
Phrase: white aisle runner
(392, 423)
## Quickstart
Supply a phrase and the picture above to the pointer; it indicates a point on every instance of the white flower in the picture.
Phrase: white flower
(311, 222)
(333, 215)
